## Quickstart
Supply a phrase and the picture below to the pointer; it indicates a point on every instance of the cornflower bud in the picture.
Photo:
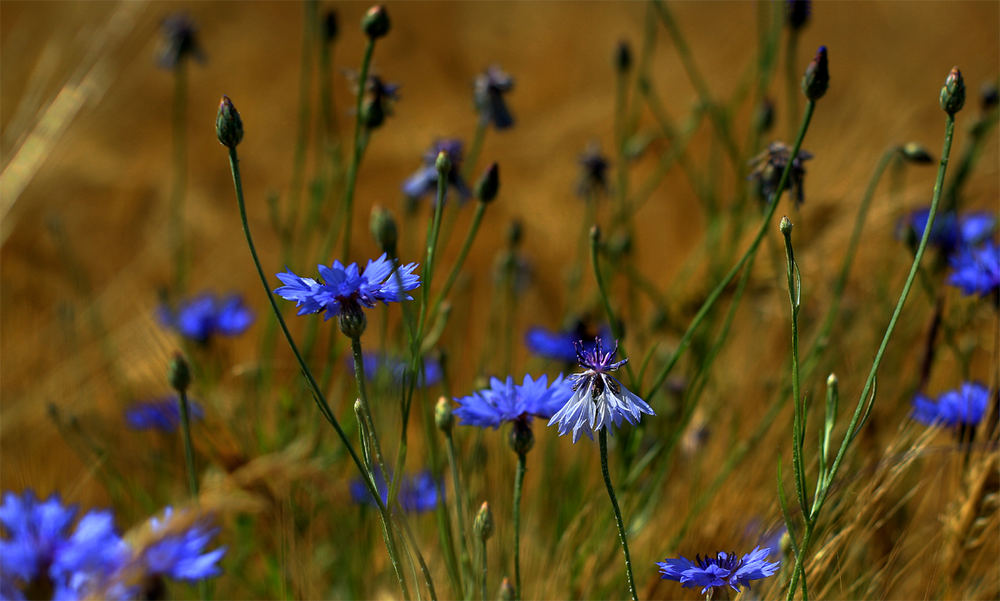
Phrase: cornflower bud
(443, 416)
(484, 522)
(521, 438)
(375, 23)
(506, 590)
(178, 373)
(785, 225)
(953, 92)
(623, 56)
(797, 13)
(228, 124)
(443, 164)
(817, 77)
(989, 96)
(352, 320)
(489, 184)
(331, 26)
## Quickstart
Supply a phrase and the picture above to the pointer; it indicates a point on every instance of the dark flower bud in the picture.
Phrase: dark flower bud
(383, 227)
(228, 124)
(817, 77)
(489, 184)
(484, 522)
(915, 153)
(372, 113)
(953, 92)
(178, 373)
(506, 590)
(443, 164)
(521, 438)
(443, 417)
(331, 26)
(763, 118)
(797, 13)
(375, 23)
(785, 226)
(515, 233)
(989, 96)
(595, 233)
(352, 320)
(623, 56)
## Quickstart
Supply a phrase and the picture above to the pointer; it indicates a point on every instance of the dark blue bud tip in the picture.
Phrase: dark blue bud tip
(817, 77)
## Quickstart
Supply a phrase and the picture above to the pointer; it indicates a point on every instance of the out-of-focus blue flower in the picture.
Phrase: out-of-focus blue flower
(976, 270)
(377, 105)
(599, 399)
(180, 41)
(950, 233)
(797, 13)
(424, 180)
(504, 401)
(417, 493)
(161, 414)
(561, 345)
(489, 90)
(396, 367)
(182, 555)
(41, 554)
(348, 286)
(721, 570)
(965, 406)
(593, 173)
(204, 316)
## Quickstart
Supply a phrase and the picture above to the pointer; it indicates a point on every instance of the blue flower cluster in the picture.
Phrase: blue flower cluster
(348, 286)
(204, 316)
(424, 180)
(964, 406)
(417, 493)
(504, 401)
(161, 414)
(561, 345)
(599, 399)
(976, 269)
(376, 362)
(950, 232)
(719, 571)
(42, 554)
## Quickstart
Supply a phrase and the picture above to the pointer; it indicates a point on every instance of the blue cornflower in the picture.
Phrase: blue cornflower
(348, 287)
(41, 554)
(963, 407)
(504, 401)
(375, 362)
(417, 493)
(560, 345)
(489, 90)
(976, 270)
(161, 414)
(950, 232)
(424, 180)
(180, 41)
(593, 173)
(204, 316)
(599, 399)
(718, 571)
(182, 554)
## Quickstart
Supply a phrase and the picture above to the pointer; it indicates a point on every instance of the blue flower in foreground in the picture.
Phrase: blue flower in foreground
(424, 181)
(504, 401)
(41, 554)
(599, 399)
(204, 316)
(721, 570)
(163, 414)
(348, 287)
(376, 362)
(950, 232)
(561, 345)
(182, 555)
(976, 270)
(965, 406)
(417, 493)
(488, 93)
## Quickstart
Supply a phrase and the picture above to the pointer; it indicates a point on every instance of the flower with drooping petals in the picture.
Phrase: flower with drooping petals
(489, 90)
(424, 180)
(721, 570)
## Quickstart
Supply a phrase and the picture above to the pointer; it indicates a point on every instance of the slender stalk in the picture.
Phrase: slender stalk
(792, 78)
(616, 326)
(477, 219)
(180, 177)
(518, 485)
(309, 25)
(469, 164)
(798, 420)
(603, 438)
(482, 553)
(317, 393)
(359, 377)
(188, 447)
(352, 170)
(459, 510)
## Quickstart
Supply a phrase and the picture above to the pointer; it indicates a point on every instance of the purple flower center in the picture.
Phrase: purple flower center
(596, 359)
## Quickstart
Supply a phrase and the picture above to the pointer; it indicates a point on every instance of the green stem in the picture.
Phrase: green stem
(188, 447)
(616, 326)
(352, 170)
(477, 219)
(603, 438)
(798, 419)
(310, 9)
(469, 164)
(518, 485)
(745, 260)
(359, 377)
(482, 553)
(317, 393)
(459, 509)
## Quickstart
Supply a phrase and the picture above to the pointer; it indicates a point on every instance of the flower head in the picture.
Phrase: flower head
(963, 407)
(599, 399)
(721, 570)
(180, 41)
(160, 414)
(42, 555)
(770, 164)
(489, 90)
(950, 232)
(378, 102)
(505, 401)
(204, 316)
(181, 554)
(424, 180)
(417, 493)
(976, 270)
(348, 287)
(593, 173)
(561, 345)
